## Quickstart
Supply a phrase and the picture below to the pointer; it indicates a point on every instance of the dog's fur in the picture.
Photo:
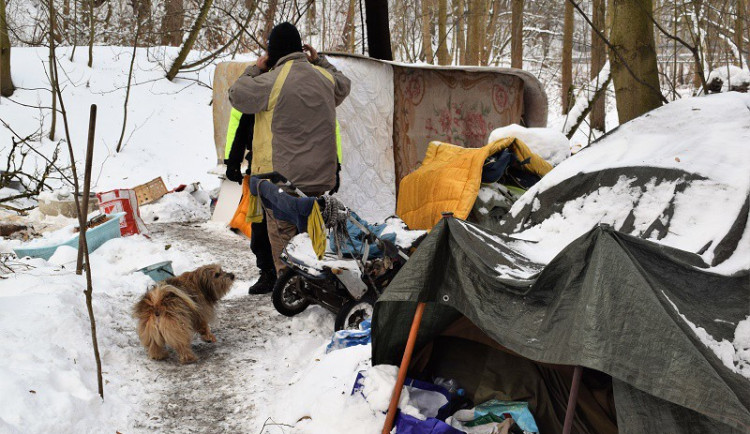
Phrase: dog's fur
(171, 312)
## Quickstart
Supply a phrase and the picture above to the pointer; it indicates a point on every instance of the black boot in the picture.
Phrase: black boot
(265, 283)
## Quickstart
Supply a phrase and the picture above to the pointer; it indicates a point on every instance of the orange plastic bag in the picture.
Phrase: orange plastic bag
(238, 220)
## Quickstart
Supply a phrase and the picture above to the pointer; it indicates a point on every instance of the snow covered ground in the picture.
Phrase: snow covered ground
(267, 373)
(169, 131)
(46, 360)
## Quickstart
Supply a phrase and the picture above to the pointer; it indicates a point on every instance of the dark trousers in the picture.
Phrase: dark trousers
(261, 246)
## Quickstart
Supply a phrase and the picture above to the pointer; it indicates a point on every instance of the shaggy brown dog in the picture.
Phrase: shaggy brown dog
(171, 312)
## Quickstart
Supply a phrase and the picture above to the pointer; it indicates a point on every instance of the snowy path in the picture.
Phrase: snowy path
(234, 380)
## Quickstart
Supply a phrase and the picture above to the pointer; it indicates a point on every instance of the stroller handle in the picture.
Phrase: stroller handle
(274, 177)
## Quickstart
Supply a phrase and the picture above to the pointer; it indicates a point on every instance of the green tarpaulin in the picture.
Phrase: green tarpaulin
(609, 302)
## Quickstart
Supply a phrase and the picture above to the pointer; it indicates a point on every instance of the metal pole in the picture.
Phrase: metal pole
(572, 400)
(84, 211)
(396, 396)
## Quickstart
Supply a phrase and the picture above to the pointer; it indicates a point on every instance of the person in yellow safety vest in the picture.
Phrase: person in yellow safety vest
(239, 140)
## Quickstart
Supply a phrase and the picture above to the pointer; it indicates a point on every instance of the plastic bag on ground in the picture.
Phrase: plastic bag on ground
(349, 338)
(406, 424)
(494, 411)
(123, 200)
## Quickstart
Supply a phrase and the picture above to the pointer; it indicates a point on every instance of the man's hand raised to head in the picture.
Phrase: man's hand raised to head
(262, 63)
(312, 54)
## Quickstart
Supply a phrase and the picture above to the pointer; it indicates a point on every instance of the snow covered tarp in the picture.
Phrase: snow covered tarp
(394, 110)
(678, 175)
(609, 302)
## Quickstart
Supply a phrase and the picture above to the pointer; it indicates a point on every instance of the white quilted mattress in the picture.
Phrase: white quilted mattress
(368, 174)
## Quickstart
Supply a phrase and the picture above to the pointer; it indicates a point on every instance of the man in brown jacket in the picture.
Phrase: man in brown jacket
(294, 97)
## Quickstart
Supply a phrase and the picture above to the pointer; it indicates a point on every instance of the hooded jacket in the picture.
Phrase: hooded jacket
(295, 123)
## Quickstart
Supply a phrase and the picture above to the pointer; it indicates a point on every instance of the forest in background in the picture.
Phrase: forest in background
(566, 44)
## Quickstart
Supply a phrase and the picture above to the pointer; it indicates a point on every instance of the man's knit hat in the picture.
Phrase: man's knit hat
(284, 39)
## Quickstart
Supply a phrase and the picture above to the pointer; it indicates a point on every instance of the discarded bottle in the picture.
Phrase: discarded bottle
(449, 384)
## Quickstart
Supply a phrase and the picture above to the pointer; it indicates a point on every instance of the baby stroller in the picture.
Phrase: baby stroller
(353, 272)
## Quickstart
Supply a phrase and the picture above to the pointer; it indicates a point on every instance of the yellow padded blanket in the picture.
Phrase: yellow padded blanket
(449, 179)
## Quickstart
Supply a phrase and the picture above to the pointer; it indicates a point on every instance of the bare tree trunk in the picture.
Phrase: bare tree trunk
(567, 58)
(270, 16)
(188, 45)
(484, 11)
(516, 37)
(427, 31)
(83, 244)
(378, 31)
(491, 31)
(105, 26)
(80, 211)
(171, 23)
(75, 30)
(349, 26)
(584, 104)
(442, 51)
(598, 58)
(475, 30)
(739, 32)
(311, 16)
(142, 10)
(66, 16)
(702, 67)
(323, 25)
(127, 89)
(634, 68)
(6, 83)
(460, 42)
(92, 20)
(674, 47)
(52, 78)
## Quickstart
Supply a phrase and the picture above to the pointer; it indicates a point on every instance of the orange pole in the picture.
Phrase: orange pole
(396, 396)
(572, 399)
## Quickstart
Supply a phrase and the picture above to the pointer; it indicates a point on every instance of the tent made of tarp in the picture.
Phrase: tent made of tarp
(621, 307)
(394, 110)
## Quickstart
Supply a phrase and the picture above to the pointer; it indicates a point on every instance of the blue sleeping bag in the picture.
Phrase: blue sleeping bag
(355, 247)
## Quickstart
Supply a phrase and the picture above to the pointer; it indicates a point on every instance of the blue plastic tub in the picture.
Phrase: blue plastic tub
(95, 237)
(159, 271)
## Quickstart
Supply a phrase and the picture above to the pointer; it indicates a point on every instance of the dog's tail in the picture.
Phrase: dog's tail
(160, 306)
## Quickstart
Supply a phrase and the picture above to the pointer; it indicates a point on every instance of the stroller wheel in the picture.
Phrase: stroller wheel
(287, 294)
(353, 312)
